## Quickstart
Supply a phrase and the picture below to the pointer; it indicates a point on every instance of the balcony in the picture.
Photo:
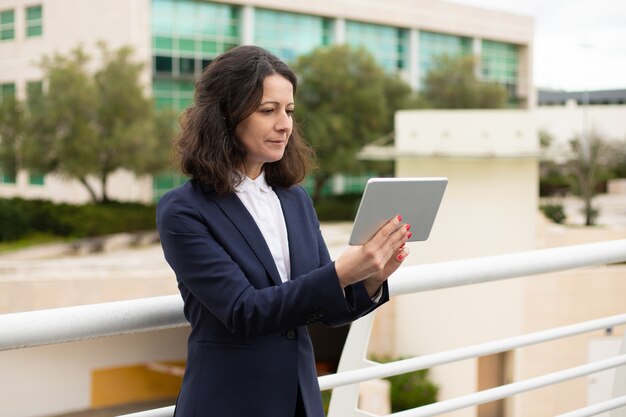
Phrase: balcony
(27, 330)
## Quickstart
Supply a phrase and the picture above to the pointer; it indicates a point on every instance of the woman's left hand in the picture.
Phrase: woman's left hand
(373, 283)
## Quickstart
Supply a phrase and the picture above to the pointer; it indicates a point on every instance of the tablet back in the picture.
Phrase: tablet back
(417, 200)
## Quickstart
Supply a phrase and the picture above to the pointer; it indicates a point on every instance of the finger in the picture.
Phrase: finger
(404, 252)
(383, 234)
(400, 236)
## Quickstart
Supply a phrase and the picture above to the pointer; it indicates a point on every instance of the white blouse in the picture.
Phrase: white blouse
(264, 206)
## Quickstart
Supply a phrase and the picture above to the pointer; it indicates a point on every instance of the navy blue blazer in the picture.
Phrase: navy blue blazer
(249, 349)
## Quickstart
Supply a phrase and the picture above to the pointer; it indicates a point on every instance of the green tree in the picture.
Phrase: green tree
(617, 159)
(93, 123)
(344, 101)
(12, 131)
(587, 170)
(452, 84)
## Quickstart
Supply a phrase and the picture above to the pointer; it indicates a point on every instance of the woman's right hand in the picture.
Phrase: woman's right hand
(361, 262)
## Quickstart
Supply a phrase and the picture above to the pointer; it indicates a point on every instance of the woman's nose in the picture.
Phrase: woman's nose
(284, 121)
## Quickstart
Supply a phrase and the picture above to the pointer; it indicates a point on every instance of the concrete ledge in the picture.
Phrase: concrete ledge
(85, 246)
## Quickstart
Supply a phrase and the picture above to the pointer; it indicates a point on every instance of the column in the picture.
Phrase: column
(340, 31)
(413, 73)
(247, 23)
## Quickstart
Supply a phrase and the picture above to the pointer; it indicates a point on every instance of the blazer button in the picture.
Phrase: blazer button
(290, 335)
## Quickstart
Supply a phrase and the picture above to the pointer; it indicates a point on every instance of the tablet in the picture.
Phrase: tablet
(415, 199)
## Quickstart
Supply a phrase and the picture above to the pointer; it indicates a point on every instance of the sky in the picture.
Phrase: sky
(579, 44)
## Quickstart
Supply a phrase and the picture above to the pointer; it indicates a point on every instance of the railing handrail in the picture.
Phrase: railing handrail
(33, 328)
(384, 370)
(513, 388)
(457, 273)
(67, 324)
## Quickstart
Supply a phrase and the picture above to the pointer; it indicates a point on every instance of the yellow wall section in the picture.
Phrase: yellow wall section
(130, 384)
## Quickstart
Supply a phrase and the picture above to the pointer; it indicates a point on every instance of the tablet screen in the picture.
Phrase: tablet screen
(417, 200)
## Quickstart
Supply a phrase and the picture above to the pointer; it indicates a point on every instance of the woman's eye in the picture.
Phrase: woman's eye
(267, 111)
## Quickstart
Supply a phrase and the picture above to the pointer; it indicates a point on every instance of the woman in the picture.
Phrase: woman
(244, 242)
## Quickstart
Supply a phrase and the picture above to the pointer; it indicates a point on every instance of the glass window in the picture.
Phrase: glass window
(165, 182)
(7, 91)
(387, 44)
(186, 34)
(34, 21)
(432, 45)
(290, 34)
(186, 27)
(172, 94)
(6, 178)
(163, 64)
(35, 179)
(34, 89)
(186, 66)
(499, 62)
(7, 25)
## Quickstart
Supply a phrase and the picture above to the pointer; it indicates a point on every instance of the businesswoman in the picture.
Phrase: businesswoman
(245, 244)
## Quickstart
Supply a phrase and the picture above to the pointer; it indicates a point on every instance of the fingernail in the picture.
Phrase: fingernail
(399, 218)
(408, 227)
(399, 257)
(408, 235)
(402, 247)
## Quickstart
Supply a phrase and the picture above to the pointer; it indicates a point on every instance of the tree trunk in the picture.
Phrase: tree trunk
(319, 182)
(103, 181)
(92, 192)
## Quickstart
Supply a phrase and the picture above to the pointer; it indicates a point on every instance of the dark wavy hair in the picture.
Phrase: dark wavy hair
(228, 91)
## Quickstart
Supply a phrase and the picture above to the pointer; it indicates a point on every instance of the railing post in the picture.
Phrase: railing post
(619, 384)
(344, 400)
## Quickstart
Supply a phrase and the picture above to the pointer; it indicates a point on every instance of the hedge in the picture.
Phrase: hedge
(20, 218)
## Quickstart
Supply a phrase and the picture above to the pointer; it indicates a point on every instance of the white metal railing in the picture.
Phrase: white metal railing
(68, 324)
(18, 330)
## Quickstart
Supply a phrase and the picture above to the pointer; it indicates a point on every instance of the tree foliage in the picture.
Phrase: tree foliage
(452, 84)
(588, 168)
(344, 101)
(93, 123)
(12, 131)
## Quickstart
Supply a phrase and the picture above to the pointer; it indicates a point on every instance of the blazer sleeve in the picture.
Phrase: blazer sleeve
(356, 295)
(206, 271)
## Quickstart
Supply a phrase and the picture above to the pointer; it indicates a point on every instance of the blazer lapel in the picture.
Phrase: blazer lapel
(243, 221)
(292, 221)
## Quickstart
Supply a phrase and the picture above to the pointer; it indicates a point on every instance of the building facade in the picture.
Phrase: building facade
(178, 38)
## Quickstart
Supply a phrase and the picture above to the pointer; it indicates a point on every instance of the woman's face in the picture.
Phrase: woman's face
(266, 131)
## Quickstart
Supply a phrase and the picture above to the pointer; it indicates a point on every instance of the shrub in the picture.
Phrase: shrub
(554, 212)
(13, 220)
(338, 208)
(21, 218)
(410, 390)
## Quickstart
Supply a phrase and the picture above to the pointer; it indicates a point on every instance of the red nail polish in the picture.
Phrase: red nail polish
(399, 257)
(399, 218)
(408, 235)
(408, 227)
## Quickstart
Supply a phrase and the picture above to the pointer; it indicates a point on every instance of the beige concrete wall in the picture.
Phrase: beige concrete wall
(55, 379)
(487, 209)
(466, 133)
(122, 185)
(560, 299)
(68, 23)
